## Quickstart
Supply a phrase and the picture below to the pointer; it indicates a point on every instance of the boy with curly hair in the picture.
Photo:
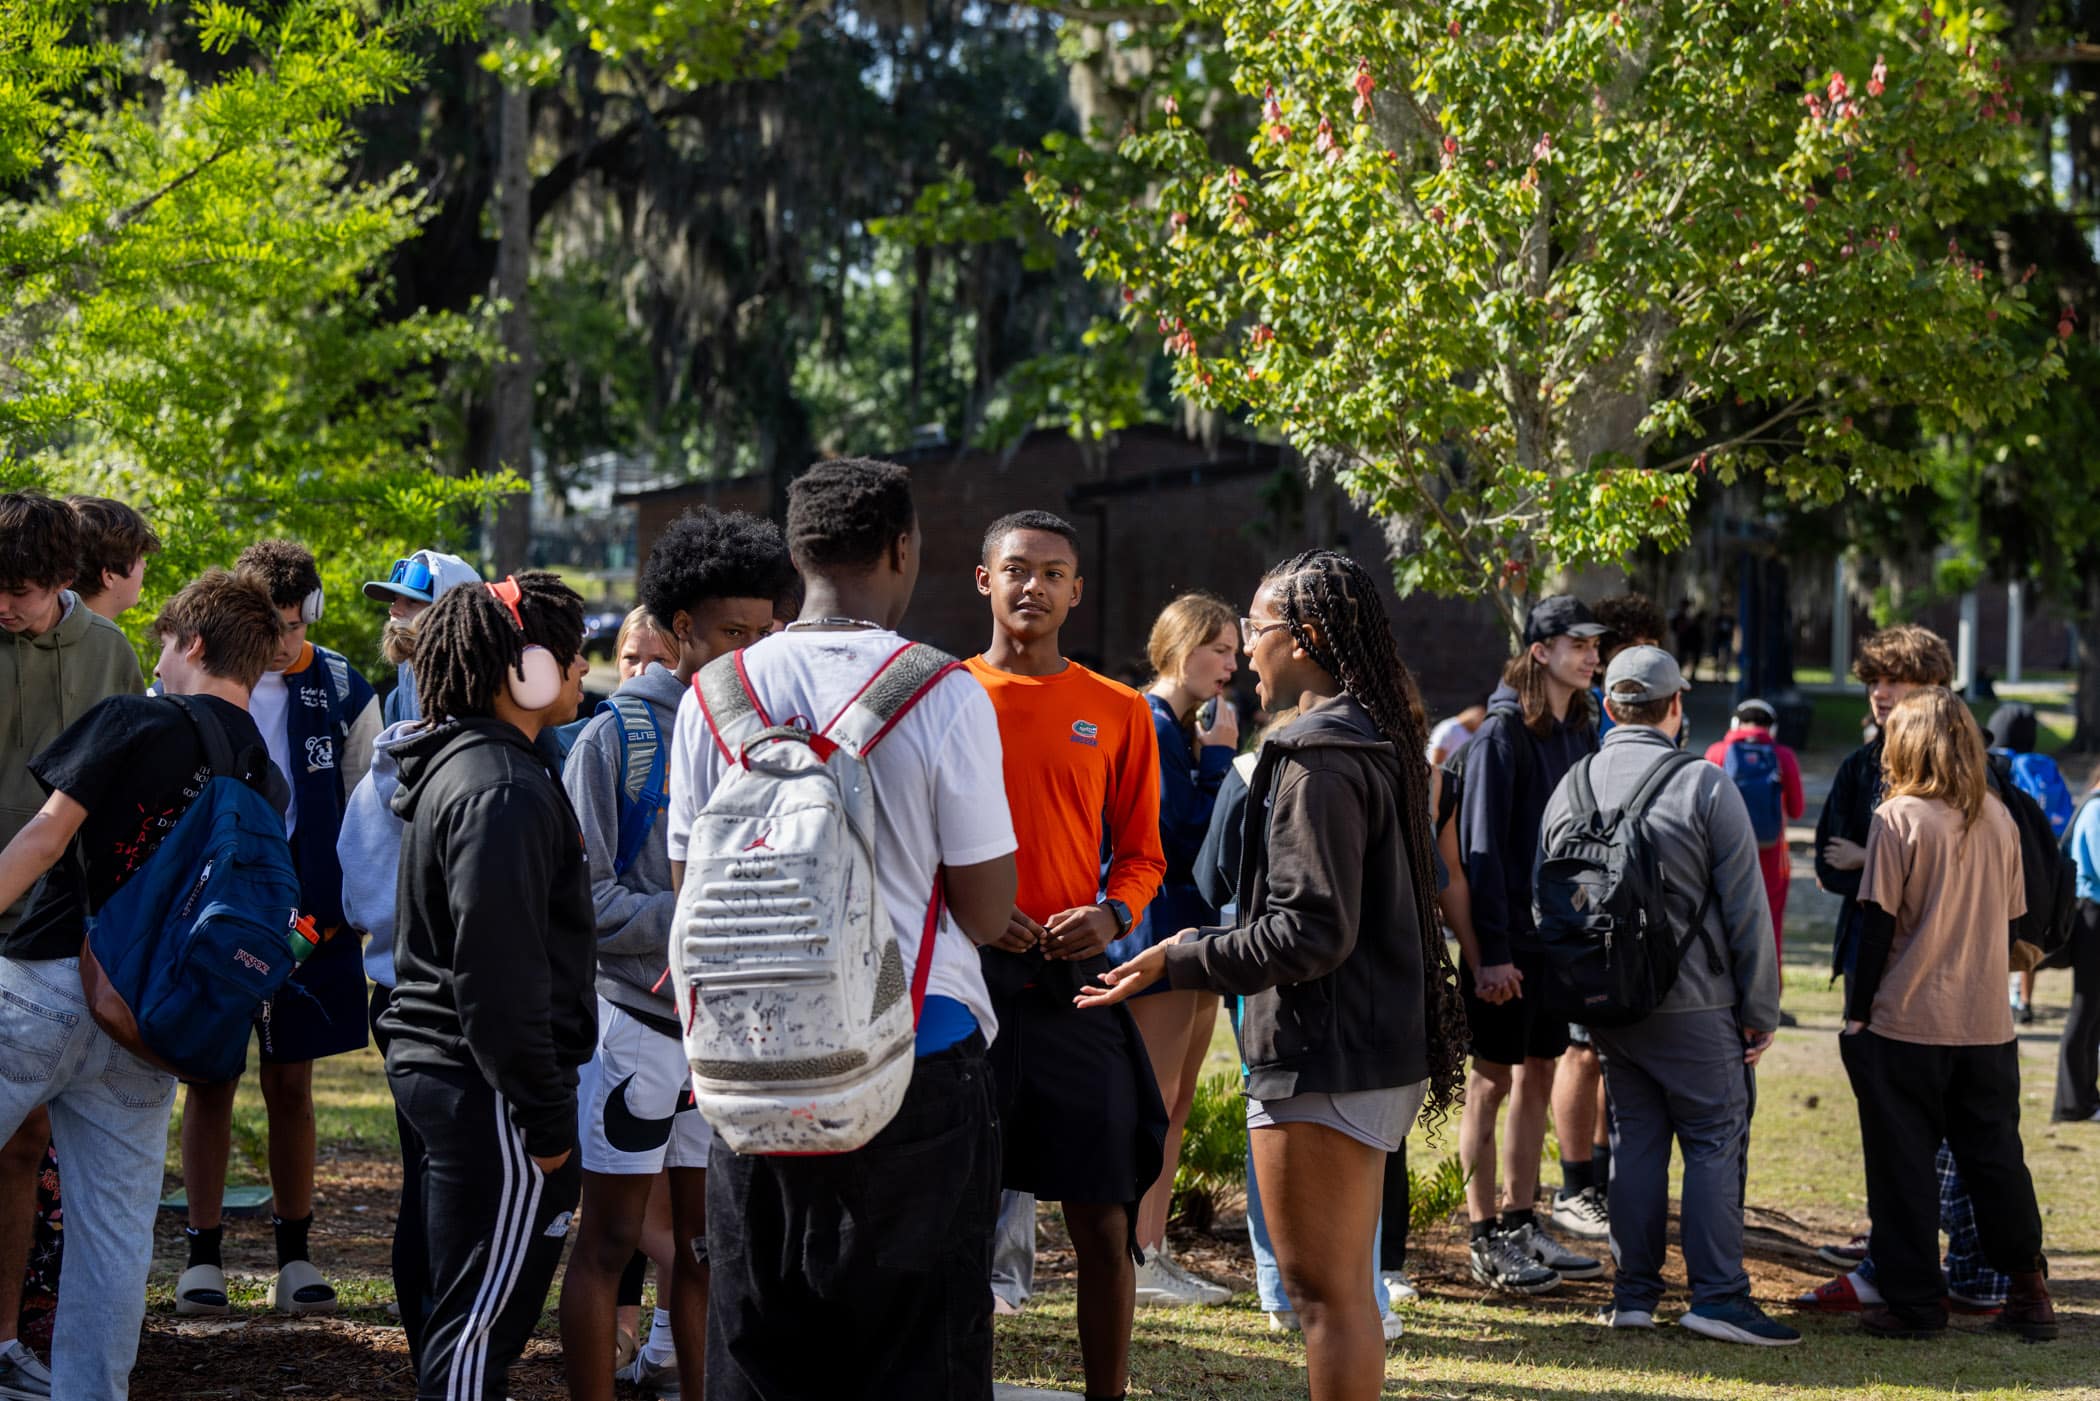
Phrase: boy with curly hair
(710, 587)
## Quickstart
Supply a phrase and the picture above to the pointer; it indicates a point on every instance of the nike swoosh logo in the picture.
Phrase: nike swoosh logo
(629, 1132)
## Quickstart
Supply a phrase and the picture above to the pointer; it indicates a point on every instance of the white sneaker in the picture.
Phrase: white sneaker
(1391, 1326)
(1612, 1316)
(1283, 1320)
(1159, 1288)
(1583, 1214)
(1205, 1292)
(658, 1379)
(1399, 1289)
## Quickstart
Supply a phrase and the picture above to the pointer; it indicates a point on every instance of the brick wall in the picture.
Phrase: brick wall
(1161, 515)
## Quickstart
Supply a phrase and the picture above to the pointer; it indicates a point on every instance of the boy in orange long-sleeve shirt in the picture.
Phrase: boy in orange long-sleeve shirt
(1081, 1112)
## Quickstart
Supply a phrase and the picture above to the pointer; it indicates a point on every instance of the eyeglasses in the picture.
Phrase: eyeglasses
(411, 574)
(1251, 632)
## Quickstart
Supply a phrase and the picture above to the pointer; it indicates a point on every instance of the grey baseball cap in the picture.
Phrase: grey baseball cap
(1642, 674)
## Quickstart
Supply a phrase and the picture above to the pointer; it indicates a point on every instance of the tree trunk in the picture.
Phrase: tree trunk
(2085, 701)
(510, 440)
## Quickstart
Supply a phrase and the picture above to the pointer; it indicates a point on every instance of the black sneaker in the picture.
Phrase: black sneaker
(1501, 1266)
(1537, 1242)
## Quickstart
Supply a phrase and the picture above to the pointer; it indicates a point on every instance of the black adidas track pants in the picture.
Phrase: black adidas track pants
(494, 1227)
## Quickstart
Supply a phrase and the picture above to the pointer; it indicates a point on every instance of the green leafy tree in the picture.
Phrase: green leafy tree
(194, 319)
(1519, 273)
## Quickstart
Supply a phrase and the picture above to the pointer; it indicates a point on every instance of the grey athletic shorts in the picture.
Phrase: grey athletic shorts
(1376, 1118)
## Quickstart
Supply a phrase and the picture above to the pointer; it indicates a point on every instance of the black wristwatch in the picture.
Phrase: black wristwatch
(1122, 915)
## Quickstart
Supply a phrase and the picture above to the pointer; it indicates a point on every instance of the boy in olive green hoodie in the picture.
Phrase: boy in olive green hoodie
(57, 659)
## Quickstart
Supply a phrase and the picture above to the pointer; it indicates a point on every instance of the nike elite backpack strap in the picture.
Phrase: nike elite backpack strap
(644, 783)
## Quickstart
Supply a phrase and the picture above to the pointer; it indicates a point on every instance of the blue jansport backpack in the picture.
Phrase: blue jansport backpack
(1753, 766)
(179, 958)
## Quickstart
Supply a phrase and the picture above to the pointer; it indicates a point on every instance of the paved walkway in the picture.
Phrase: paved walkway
(1002, 1392)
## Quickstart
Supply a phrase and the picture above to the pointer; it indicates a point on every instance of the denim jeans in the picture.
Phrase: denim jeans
(1013, 1248)
(1268, 1279)
(109, 1120)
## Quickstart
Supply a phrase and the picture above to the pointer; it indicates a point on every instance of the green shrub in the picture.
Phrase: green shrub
(1213, 1150)
(1436, 1194)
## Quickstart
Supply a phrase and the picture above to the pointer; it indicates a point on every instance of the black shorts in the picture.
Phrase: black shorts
(322, 1008)
(890, 1244)
(1520, 1029)
(1080, 1115)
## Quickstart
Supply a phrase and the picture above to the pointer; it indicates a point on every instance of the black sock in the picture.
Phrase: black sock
(204, 1245)
(1600, 1167)
(1483, 1229)
(1577, 1177)
(1097, 1396)
(291, 1238)
(1513, 1219)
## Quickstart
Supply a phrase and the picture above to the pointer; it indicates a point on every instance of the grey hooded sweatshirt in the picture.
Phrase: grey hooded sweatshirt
(368, 847)
(1702, 836)
(634, 908)
(46, 683)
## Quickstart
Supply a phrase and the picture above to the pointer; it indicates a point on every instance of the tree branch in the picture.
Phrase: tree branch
(138, 209)
(1791, 411)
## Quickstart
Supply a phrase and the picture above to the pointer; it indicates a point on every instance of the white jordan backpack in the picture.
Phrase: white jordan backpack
(792, 992)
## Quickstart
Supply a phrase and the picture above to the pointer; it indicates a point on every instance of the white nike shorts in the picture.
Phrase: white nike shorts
(634, 1103)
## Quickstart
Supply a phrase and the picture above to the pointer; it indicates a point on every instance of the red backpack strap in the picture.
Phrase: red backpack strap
(922, 969)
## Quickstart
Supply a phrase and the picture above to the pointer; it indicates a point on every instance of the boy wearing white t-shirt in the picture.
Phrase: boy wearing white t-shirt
(885, 1249)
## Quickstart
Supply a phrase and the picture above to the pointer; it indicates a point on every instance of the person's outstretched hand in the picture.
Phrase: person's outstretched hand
(1125, 982)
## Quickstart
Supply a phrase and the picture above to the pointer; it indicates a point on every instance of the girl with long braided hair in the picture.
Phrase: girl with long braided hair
(1352, 1022)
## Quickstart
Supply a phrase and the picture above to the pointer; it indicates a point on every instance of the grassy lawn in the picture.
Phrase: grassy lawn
(1835, 727)
(1805, 1182)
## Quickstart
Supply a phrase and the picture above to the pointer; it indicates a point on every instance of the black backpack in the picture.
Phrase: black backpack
(2050, 878)
(1611, 955)
(1451, 793)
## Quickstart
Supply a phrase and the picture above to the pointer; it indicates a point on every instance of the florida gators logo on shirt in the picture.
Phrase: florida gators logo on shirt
(1086, 732)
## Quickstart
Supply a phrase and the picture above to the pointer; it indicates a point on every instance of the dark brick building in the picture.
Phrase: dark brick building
(1158, 514)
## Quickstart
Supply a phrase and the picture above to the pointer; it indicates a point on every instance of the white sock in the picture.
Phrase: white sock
(1864, 1287)
(660, 1349)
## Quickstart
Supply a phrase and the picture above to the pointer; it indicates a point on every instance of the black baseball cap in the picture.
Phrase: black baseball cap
(1562, 615)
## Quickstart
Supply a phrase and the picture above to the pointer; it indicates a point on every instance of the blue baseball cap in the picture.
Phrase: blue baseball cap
(424, 577)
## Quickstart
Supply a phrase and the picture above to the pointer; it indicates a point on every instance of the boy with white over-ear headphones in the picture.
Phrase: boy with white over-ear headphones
(317, 716)
(493, 1008)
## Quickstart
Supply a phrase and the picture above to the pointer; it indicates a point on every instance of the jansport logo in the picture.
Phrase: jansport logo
(1086, 732)
(249, 960)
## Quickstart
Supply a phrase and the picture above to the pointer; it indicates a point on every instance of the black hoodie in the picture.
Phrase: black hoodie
(1328, 950)
(1510, 775)
(495, 941)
